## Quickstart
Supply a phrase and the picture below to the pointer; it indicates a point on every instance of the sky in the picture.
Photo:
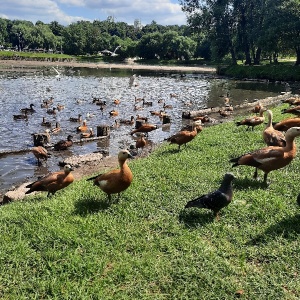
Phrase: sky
(65, 12)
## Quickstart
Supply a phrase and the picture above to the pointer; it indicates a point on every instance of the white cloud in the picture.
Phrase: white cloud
(164, 12)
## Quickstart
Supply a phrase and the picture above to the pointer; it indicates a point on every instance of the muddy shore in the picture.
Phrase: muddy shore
(18, 65)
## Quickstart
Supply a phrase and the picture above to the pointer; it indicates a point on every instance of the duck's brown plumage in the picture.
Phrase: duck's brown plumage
(52, 182)
(64, 144)
(185, 136)
(145, 128)
(293, 110)
(140, 142)
(286, 124)
(253, 121)
(271, 136)
(40, 153)
(115, 181)
(270, 158)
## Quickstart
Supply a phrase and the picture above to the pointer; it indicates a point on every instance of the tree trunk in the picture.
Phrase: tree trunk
(257, 56)
(248, 55)
(233, 56)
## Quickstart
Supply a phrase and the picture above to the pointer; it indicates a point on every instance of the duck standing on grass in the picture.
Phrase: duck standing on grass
(185, 136)
(270, 158)
(216, 200)
(115, 181)
(253, 121)
(271, 136)
(53, 182)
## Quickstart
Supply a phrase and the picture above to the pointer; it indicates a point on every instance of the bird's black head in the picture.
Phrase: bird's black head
(229, 177)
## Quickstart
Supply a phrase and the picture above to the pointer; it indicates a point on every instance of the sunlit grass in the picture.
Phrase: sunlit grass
(76, 245)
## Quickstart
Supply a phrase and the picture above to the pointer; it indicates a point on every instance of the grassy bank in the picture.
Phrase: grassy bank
(279, 72)
(77, 246)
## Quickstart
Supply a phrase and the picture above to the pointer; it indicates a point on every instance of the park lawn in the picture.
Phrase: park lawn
(76, 245)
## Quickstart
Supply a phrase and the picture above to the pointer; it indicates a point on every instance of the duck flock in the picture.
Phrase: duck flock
(138, 120)
(279, 151)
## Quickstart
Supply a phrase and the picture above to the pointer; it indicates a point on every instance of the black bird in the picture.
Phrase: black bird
(215, 200)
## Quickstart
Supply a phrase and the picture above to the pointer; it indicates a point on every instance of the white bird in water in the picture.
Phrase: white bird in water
(58, 73)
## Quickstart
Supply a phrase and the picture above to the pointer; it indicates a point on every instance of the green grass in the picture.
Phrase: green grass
(33, 56)
(283, 71)
(78, 246)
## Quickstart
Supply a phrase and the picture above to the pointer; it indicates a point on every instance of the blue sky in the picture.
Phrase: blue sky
(164, 12)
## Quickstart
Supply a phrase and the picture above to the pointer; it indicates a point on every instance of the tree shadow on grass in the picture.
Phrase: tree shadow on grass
(90, 205)
(288, 229)
(193, 218)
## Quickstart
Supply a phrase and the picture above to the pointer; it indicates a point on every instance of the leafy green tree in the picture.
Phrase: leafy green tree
(150, 46)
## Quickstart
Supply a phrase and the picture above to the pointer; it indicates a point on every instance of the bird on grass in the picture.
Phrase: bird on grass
(53, 182)
(64, 144)
(217, 199)
(40, 153)
(286, 124)
(115, 181)
(293, 110)
(185, 136)
(271, 136)
(270, 158)
(253, 121)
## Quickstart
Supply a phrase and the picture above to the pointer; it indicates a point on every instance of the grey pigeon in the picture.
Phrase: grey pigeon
(215, 200)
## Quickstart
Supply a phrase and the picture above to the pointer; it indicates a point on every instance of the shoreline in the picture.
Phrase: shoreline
(18, 65)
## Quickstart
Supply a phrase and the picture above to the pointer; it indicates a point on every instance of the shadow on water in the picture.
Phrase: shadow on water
(76, 89)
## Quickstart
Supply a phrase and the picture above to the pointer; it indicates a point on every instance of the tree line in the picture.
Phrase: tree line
(248, 30)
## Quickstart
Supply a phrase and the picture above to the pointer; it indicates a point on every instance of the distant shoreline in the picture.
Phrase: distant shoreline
(18, 65)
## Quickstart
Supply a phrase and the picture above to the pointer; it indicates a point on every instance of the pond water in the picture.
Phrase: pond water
(75, 88)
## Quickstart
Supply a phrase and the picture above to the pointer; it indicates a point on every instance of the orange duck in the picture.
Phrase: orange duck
(256, 109)
(293, 110)
(82, 127)
(286, 124)
(115, 181)
(140, 142)
(271, 136)
(185, 136)
(52, 182)
(145, 128)
(253, 121)
(87, 134)
(270, 158)
(64, 144)
(114, 113)
(40, 153)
